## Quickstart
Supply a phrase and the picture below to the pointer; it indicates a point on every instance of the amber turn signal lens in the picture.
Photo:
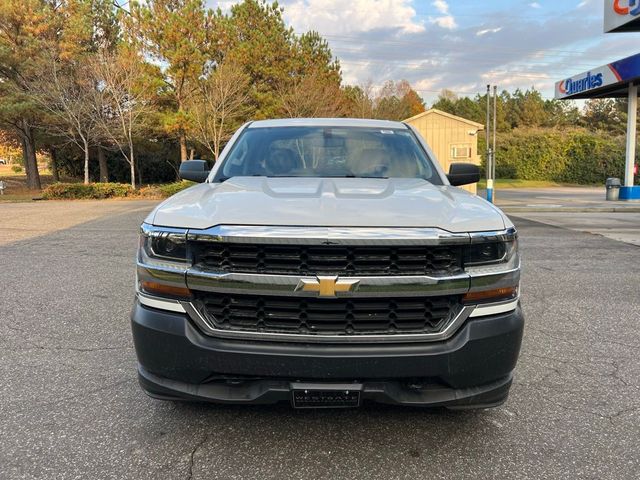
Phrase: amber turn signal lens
(491, 295)
(165, 290)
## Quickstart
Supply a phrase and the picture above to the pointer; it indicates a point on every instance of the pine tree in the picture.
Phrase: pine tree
(24, 25)
(178, 35)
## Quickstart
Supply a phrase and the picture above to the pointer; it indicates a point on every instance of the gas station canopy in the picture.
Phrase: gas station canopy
(619, 79)
(621, 16)
(608, 81)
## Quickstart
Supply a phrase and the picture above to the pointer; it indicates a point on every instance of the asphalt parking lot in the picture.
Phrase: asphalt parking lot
(70, 406)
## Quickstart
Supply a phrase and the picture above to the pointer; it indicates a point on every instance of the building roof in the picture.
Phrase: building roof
(327, 122)
(435, 111)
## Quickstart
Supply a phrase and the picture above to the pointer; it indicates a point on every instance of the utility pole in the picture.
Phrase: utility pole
(488, 151)
(495, 128)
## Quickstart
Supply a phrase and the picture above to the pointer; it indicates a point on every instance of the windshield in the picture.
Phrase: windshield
(328, 152)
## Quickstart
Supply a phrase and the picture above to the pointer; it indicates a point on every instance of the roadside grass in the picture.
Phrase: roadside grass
(26, 196)
(16, 185)
(7, 171)
(518, 183)
(71, 189)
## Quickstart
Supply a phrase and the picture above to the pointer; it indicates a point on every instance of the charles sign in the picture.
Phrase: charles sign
(585, 82)
(620, 72)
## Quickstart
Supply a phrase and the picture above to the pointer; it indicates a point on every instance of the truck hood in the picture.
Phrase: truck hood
(328, 202)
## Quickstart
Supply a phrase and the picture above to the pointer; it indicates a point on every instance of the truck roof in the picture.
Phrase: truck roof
(326, 122)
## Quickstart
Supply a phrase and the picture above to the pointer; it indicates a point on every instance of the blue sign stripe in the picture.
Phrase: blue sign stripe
(628, 68)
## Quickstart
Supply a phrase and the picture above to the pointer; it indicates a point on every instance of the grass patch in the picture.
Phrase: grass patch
(10, 171)
(24, 196)
(16, 186)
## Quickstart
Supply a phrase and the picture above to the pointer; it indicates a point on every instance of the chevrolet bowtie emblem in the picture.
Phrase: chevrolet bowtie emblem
(327, 286)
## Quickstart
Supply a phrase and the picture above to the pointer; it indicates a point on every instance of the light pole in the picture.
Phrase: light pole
(489, 152)
(495, 128)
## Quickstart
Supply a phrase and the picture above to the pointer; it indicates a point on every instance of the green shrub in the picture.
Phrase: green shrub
(16, 169)
(591, 159)
(574, 156)
(72, 191)
(169, 189)
(164, 190)
(92, 190)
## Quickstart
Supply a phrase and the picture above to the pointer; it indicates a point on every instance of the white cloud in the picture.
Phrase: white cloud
(480, 33)
(379, 40)
(332, 17)
(431, 83)
(224, 5)
(447, 20)
(441, 6)
(530, 53)
(535, 5)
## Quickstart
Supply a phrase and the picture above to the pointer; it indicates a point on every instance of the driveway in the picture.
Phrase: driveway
(568, 199)
(70, 406)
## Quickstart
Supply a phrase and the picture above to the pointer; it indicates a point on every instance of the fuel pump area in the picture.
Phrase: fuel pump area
(619, 79)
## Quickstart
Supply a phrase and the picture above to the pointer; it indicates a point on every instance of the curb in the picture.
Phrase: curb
(510, 209)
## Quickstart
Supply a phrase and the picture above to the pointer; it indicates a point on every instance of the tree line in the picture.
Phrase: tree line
(125, 91)
(547, 139)
(140, 86)
(528, 109)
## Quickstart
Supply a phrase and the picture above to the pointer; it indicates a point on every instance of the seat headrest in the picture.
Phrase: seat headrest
(281, 161)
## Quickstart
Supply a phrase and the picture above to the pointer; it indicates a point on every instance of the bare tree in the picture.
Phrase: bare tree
(125, 99)
(397, 101)
(309, 96)
(363, 101)
(68, 93)
(220, 103)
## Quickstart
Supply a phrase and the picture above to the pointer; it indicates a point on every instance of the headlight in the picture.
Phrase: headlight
(490, 253)
(164, 243)
(162, 262)
(493, 262)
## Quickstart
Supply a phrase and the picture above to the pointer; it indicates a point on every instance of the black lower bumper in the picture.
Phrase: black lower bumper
(472, 369)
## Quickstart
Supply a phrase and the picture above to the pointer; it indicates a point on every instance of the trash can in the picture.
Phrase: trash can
(613, 188)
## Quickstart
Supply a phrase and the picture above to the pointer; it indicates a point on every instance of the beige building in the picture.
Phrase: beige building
(452, 139)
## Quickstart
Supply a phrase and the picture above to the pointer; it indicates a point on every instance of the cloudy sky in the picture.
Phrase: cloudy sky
(461, 45)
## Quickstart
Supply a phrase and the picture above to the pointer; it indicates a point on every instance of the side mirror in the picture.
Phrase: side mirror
(194, 170)
(463, 174)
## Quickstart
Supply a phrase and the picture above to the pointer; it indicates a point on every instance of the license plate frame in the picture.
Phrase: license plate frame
(316, 396)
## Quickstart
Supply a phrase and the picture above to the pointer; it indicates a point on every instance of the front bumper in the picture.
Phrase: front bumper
(471, 369)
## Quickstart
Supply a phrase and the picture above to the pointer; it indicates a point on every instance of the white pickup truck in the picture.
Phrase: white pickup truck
(326, 263)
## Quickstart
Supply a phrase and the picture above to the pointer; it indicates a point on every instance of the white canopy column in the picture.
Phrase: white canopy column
(632, 118)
